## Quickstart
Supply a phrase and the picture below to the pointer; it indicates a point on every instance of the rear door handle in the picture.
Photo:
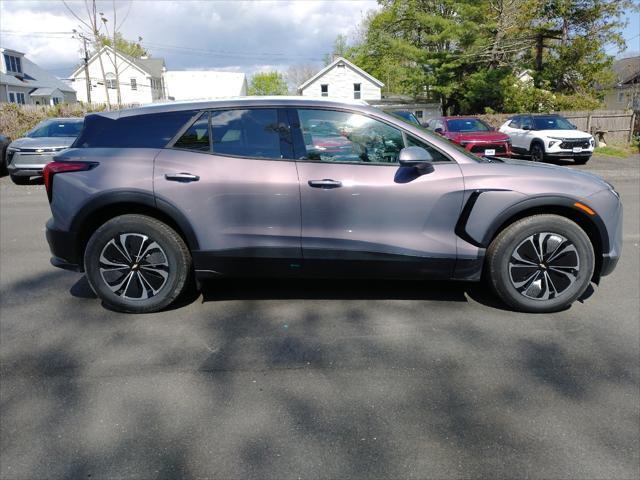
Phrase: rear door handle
(181, 177)
(325, 183)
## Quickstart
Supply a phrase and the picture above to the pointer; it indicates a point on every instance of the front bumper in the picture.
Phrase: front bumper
(28, 164)
(64, 248)
(569, 154)
(501, 149)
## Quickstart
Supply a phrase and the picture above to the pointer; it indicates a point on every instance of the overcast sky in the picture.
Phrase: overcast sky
(189, 34)
(235, 35)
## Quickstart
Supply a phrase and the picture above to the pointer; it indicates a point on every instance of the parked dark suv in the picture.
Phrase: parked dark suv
(148, 197)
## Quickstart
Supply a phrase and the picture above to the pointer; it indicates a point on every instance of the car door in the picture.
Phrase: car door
(512, 128)
(527, 134)
(232, 177)
(361, 210)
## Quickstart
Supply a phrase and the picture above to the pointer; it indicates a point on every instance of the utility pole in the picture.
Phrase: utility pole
(86, 68)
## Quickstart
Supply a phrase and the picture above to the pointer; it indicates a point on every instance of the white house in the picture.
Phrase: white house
(140, 79)
(22, 81)
(343, 80)
(203, 84)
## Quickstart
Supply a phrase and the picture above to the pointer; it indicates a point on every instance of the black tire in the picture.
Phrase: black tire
(581, 160)
(537, 152)
(168, 254)
(506, 272)
(20, 180)
(3, 162)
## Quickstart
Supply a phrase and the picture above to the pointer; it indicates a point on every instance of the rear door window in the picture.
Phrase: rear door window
(197, 135)
(253, 133)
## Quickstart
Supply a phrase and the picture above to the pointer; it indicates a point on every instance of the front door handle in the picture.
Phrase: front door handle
(325, 183)
(181, 177)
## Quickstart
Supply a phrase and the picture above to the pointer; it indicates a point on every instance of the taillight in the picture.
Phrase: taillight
(50, 169)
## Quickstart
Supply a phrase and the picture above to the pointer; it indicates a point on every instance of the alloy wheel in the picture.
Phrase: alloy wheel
(544, 265)
(134, 266)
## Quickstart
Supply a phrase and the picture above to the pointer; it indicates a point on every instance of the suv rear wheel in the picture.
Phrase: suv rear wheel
(137, 264)
(541, 263)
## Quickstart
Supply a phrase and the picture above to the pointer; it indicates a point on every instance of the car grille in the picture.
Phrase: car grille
(480, 148)
(575, 142)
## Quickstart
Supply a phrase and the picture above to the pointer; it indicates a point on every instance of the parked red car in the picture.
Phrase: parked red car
(473, 135)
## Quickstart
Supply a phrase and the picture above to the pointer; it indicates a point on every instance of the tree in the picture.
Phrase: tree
(467, 53)
(340, 48)
(267, 83)
(298, 74)
(132, 48)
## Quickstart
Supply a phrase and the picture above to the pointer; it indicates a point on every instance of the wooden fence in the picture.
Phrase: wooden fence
(610, 126)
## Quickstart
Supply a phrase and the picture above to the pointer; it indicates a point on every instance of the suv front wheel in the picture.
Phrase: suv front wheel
(541, 263)
(137, 264)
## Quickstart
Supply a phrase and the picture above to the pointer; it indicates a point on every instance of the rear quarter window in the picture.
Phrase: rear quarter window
(152, 130)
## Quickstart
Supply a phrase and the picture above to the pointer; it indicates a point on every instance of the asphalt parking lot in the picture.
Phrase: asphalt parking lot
(314, 379)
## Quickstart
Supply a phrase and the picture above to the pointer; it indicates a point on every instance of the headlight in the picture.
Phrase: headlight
(464, 142)
(592, 142)
(509, 141)
(553, 142)
(13, 149)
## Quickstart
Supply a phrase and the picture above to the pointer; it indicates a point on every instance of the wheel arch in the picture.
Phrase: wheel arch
(592, 225)
(537, 140)
(113, 204)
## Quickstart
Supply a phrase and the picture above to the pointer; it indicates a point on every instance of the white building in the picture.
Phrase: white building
(140, 79)
(343, 80)
(22, 81)
(204, 84)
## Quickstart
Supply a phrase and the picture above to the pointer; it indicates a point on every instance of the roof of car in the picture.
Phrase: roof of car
(256, 101)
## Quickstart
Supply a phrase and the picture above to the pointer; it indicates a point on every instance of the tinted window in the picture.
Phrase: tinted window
(197, 136)
(551, 123)
(525, 122)
(435, 154)
(467, 125)
(246, 133)
(515, 122)
(334, 136)
(138, 131)
(56, 129)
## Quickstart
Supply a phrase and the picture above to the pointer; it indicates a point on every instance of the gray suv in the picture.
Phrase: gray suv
(27, 156)
(149, 198)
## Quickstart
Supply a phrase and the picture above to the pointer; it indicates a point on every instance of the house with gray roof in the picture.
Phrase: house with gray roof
(22, 81)
(140, 79)
(625, 92)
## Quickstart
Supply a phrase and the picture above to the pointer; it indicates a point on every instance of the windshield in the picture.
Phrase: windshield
(552, 123)
(467, 125)
(56, 129)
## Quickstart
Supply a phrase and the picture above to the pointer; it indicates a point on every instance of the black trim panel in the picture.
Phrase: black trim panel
(269, 262)
(64, 248)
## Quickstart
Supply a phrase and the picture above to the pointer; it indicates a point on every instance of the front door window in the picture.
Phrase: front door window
(334, 136)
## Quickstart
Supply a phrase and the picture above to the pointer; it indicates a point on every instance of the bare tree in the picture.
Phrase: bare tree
(298, 74)
(90, 26)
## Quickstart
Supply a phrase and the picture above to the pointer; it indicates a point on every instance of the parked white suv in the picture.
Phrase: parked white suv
(548, 136)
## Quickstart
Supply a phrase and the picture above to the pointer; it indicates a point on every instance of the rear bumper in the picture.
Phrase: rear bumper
(64, 248)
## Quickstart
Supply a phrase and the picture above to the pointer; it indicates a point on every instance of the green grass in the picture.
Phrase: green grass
(617, 151)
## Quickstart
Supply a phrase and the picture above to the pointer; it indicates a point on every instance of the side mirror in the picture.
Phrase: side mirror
(526, 127)
(425, 124)
(439, 131)
(416, 157)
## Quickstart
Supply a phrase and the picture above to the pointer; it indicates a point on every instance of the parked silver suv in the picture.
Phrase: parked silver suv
(27, 156)
(148, 197)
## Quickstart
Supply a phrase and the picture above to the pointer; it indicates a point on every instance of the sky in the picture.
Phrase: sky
(245, 36)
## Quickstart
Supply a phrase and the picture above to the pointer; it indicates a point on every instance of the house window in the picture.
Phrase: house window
(112, 82)
(134, 84)
(324, 90)
(17, 97)
(620, 97)
(55, 100)
(419, 114)
(341, 65)
(356, 91)
(13, 63)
